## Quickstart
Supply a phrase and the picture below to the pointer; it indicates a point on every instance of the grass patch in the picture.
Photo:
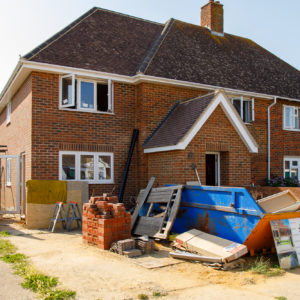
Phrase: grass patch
(142, 297)
(60, 294)
(6, 247)
(280, 298)
(42, 284)
(158, 294)
(264, 266)
(14, 258)
(4, 233)
(39, 283)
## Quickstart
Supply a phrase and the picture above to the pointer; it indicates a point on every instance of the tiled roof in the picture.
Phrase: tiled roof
(178, 122)
(192, 53)
(100, 40)
(107, 41)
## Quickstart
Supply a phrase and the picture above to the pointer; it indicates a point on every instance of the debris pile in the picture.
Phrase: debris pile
(209, 249)
(105, 221)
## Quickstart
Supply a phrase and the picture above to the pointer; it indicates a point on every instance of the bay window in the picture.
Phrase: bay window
(86, 166)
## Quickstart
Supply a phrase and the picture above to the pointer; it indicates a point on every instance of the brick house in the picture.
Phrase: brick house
(197, 95)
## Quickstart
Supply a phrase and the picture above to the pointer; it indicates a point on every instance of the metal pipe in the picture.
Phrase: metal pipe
(125, 174)
(196, 171)
(269, 137)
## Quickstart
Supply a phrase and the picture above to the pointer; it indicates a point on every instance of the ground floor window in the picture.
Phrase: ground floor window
(86, 166)
(292, 168)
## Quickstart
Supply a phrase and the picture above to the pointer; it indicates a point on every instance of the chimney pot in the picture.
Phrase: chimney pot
(212, 16)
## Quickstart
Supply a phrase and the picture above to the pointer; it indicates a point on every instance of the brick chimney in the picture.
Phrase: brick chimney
(212, 16)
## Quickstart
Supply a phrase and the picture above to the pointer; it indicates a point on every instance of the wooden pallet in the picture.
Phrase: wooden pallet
(158, 225)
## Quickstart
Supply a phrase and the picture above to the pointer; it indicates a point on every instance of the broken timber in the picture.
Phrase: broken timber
(141, 200)
(159, 225)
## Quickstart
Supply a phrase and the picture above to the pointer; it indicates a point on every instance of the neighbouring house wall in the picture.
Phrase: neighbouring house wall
(17, 136)
(218, 135)
(154, 101)
(283, 142)
(57, 130)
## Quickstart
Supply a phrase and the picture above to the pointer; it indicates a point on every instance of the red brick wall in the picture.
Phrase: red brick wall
(283, 142)
(17, 137)
(175, 167)
(54, 128)
(154, 101)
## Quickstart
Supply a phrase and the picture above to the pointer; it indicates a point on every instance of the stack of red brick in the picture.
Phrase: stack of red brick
(105, 221)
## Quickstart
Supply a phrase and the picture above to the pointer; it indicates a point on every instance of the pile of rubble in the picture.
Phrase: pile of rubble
(105, 221)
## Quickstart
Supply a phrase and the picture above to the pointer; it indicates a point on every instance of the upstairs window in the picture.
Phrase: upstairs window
(291, 116)
(245, 108)
(8, 113)
(85, 95)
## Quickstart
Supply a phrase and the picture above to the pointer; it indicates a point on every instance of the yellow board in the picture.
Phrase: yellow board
(46, 191)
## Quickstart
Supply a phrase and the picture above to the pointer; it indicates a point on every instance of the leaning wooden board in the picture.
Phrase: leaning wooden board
(160, 225)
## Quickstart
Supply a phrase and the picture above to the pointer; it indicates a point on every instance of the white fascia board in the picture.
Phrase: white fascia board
(238, 124)
(31, 66)
(233, 117)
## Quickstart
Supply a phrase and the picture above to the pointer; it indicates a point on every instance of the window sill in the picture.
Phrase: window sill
(248, 123)
(90, 182)
(8, 123)
(87, 111)
(8, 184)
(289, 129)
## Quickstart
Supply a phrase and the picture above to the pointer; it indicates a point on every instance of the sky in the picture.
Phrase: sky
(24, 24)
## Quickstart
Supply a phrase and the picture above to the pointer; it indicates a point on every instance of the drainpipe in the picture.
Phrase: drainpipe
(269, 137)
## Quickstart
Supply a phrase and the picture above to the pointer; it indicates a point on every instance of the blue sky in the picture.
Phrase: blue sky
(24, 24)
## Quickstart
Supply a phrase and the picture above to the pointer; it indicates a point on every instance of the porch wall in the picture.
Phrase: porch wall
(217, 135)
(17, 137)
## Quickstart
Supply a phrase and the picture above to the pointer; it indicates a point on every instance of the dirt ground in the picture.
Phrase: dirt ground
(96, 274)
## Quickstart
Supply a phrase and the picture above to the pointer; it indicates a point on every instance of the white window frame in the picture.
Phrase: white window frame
(96, 169)
(8, 171)
(73, 91)
(110, 95)
(242, 100)
(291, 159)
(295, 112)
(8, 113)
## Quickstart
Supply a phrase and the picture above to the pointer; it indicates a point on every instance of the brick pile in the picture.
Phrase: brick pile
(105, 221)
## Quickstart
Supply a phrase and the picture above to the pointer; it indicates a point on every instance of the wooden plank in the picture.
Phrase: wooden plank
(174, 211)
(195, 257)
(148, 226)
(157, 197)
(141, 200)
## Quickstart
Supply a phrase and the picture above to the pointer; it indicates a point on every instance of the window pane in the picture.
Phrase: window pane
(247, 111)
(87, 167)
(87, 95)
(68, 167)
(294, 173)
(237, 105)
(287, 169)
(102, 97)
(104, 165)
(288, 113)
(297, 125)
(67, 91)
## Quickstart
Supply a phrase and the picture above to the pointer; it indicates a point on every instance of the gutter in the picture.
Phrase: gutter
(269, 137)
